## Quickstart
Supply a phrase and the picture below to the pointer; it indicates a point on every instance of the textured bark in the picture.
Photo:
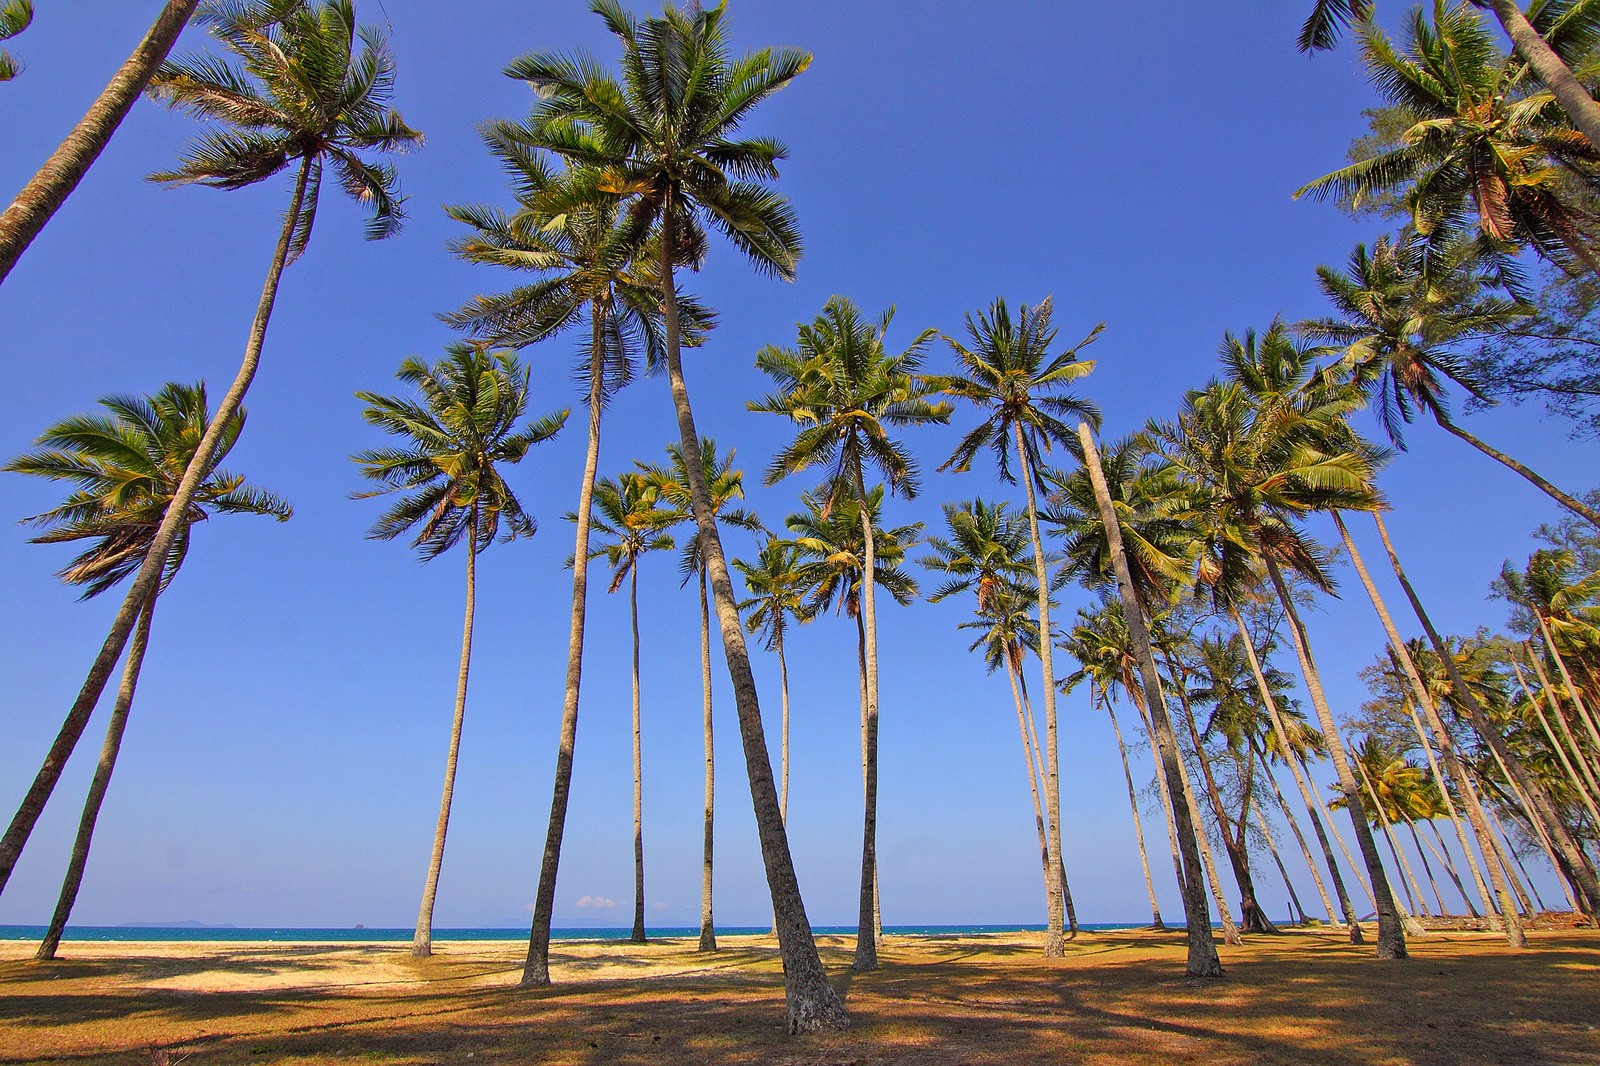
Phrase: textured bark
(1582, 869)
(783, 675)
(1053, 947)
(812, 1005)
(98, 785)
(1202, 961)
(1566, 500)
(1408, 881)
(1569, 92)
(144, 583)
(536, 968)
(1299, 837)
(1138, 829)
(708, 928)
(1033, 779)
(637, 936)
(1391, 936)
(1401, 655)
(422, 939)
(1338, 838)
(867, 927)
(47, 190)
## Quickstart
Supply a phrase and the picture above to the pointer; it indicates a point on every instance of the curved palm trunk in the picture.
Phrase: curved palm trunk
(1535, 904)
(708, 929)
(1582, 782)
(1299, 837)
(1427, 867)
(1138, 830)
(1574, 694)
(1401, 654)
(1307, 795)
(637, 936)
(1569, 92)
(867, 929)
(812, 1005)
(783, 675)
(1338, 838)
(1391, 937)
(536, 968)
(1203, 961)
(1408, 880)
(1442, 853)
(422, 939)
(1566, 500)
(1053, 947)
(1069, 922)
(1033, 777)
(47, 190)
(1582, 869)
(144, 583)
(1471, 797)
(98, 785)
(1297, 912)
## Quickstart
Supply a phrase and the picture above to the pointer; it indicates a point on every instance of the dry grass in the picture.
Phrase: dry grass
(1116, 998)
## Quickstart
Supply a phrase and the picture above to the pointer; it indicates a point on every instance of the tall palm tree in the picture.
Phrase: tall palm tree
(1399, 312)
(302, 94)
(1007, 372)
(665, 137)
(777, 593)
(47, 190)
(845, 391)
(1549, 38)
(635, 518)
(725, 485)
(462, 428)
(123, 469)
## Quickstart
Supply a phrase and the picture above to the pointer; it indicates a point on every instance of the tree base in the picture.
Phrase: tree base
(820, 1012)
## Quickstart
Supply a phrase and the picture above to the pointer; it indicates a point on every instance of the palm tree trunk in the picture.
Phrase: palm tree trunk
(1033, 778)
(1166, 803)
(1427, 868)
(1294, 828)
(1569, 92)
(1503, 847)
(47, 190)
(1402, 656)
(1138, 830)
(1573, 693)
(783, 675)
(1587, 881)
(1350, 860)
(1307, 795)
(1571, 503)
(536, 968)
(1297, 912)
(1471, 797)
(1069, 922)
(1415, 902)
(1442, 853)
(144, 583)
(866, 957)
(99, 784)
(637, 936)
(708, 929)
(1391, 936)
(1053, 947)
(1536, 904)
(812, 1005)
(422, 939)
(1582, 782)
(1567, 884)
(1203, 961)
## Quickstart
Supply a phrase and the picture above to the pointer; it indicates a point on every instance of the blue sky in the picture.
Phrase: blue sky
(283, 761)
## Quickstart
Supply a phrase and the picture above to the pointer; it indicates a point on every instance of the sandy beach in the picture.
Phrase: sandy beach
(1116, 998)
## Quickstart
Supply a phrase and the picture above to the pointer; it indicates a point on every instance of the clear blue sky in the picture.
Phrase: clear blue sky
(283, 762)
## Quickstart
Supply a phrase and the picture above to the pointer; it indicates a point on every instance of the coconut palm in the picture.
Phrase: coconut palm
(1006, 370)
(1550, 37)
(725, 485)
(665, 137)
(47, 190)
(1484, 147)
(301, 94)
(123, 468)
(463, 427)
(777, 593)
(845, 391)
(635, 518)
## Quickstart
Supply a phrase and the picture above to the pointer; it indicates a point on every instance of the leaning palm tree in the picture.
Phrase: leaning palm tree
(47, 190)
(302, 95)
(777, 593)
(463, 427)
(665, 137)
(725, 484)
(124, 469)
(844, 390)
(634, 517)
(1007, 371)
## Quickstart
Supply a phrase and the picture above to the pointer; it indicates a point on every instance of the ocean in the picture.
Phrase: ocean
(358, 934)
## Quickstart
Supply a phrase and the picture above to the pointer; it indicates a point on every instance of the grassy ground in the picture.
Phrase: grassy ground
(1116, 998)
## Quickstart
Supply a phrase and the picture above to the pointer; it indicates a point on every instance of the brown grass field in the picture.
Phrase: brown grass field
(1116, 998)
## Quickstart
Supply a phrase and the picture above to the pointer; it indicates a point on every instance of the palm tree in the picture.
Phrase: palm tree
(47, 190)
(457, 435)
(1400, 311)
(304, 94)
(725, 485)
(1483, 147)
(15, 16)
(844, 391)
(777, 593)
(1007, 371)
(124, 468)
(1549, 40)
(665, 137)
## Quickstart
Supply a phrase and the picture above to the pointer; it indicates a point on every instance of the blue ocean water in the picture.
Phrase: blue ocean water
(363, 935)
